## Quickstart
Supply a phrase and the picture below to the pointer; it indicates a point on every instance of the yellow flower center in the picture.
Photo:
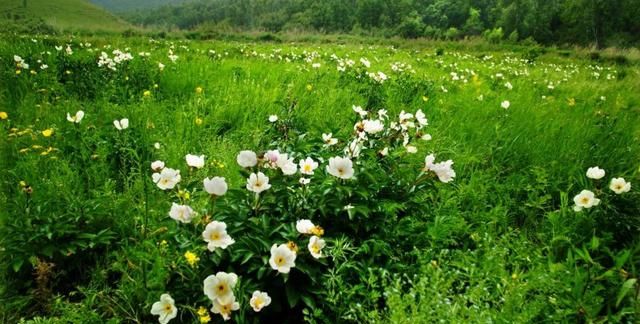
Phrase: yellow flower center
(214, 236)
(585, 200)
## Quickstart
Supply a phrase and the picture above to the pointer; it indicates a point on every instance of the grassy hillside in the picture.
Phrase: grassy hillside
(61, 14)
(128, 5)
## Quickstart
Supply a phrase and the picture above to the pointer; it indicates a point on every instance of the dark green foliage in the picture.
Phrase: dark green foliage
(598, 22)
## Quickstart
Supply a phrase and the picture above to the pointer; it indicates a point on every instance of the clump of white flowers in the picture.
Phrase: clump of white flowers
(373, 130)
(587, 199)
(112, 63)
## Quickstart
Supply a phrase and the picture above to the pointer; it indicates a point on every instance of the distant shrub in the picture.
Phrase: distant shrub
(269, 37)
(493, 35)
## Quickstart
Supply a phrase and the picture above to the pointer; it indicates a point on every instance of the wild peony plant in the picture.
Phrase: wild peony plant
(272, 240)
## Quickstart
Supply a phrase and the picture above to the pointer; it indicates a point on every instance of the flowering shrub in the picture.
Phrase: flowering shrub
(272, 237)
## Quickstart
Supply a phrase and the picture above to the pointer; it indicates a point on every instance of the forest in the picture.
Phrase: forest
(586, 22)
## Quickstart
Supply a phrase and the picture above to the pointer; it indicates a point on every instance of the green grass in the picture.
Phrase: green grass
(64, 14)
(501, 243)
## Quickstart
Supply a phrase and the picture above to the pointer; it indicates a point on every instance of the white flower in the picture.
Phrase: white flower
(354, 148)
(181, 213)
(373, 126)
(382, 114)
(505, 104)
(358, 110)
(165, 309)
(315, 65)
(247, 159)
(215, 234)
(121, 124)
(272, 157)
(340, 167)
(273, 118)
(220, 287)
(595, 173)
(195, 161)
(157, 165)
(328, 139)
(77, 118)
(384, 151)
(259, 300)
(286, 164)
(156, 145)
(160, 66)
(619, 185)
(426, 137)
(421, 118)
(282, 258)
(225, 308)
(304, 181)
(258, 182)
(305, 226)
(411, 149)
(585, 199)
(167, 178)
(308, 165)
(215, 186)
(365, 62)
(315, 246)
(508, 85)
(442, 169)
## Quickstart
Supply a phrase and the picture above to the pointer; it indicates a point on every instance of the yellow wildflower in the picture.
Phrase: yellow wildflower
(317, 230)
(309, 87)
(3, 115)
(183, 194)
(198, 90)
(292, 246)
(18, 71)
(425, 98)
(192, 258)
(205, 319)
(47, 132)
(146, 93)
(198, 121)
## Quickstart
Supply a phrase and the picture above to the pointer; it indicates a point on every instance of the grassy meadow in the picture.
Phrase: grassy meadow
(88, 235)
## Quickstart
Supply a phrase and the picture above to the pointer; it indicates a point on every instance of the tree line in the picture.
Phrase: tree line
(597, 22)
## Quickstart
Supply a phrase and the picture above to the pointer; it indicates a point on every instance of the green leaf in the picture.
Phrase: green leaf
(293, 296)
(17, 264)
(626, 287)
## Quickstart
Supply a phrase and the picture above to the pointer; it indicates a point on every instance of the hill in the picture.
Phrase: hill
(61, 14)
(128, 5)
